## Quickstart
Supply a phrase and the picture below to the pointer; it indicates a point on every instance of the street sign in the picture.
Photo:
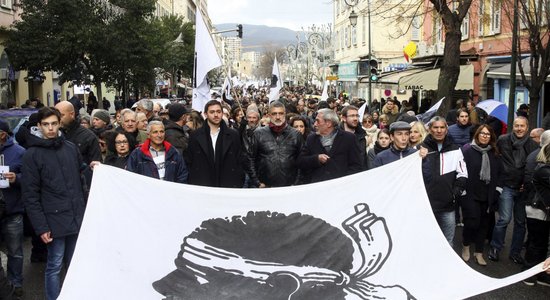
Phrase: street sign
(332, 77)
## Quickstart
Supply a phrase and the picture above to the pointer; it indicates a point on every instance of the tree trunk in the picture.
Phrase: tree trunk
(534, 98)
(450, 68)
(99, 94)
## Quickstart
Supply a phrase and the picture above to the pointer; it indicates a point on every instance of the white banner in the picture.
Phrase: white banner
(356, 237)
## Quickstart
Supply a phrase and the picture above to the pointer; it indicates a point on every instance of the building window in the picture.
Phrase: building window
(337, 4)
(495, 16)
(5, 3)
(465, 27)
(354, 35)
(481, 16)
(346, 36)
(364, 30)
(438, 30)
(415, 29)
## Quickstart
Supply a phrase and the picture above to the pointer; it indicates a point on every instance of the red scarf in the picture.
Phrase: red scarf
(277, 129)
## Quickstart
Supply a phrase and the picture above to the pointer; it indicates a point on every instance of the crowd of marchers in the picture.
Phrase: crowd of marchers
(476, 175)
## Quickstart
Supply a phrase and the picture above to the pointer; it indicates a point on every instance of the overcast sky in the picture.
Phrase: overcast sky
(292, 14)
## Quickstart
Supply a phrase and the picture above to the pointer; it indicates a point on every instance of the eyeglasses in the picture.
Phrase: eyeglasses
(121, 142)
(485, 133)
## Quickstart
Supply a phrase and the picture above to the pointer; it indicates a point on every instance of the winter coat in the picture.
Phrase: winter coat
(476, 189)
(52, 186)
(390, 155)
(116, 161)
(392, 115)
(373, 152)
(513, 165)
(226, 168)
(345, 157)
(444, 173)
(273, 157)
(141, 162)
(175, 135)
(13, 157)
(460, 134)
(361, 137)
(85, 140)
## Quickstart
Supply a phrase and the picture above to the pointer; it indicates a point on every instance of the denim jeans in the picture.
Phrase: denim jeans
(509, 203)
(447, 223)
(59, 250)
(12, 233)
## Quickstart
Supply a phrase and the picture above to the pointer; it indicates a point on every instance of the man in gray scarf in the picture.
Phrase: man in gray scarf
(514, 149)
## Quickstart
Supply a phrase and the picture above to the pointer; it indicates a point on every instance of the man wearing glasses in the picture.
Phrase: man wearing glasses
(53, 193)
(350, 123)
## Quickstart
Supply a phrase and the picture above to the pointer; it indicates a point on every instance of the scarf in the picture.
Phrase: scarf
(278, 129)
(518, 151)
(328, 140)
(485, 172)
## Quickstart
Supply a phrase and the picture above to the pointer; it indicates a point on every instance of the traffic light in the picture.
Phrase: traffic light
(240, 31)
(374, 72)
(178, 72)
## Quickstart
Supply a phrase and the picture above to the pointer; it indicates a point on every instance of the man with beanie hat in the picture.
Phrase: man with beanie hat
(101, 121)
(174, 133)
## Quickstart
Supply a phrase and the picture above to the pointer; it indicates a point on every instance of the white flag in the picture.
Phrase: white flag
(227, 89)
(206, 59)
(361, 112)
(324, 95)
(276, 82)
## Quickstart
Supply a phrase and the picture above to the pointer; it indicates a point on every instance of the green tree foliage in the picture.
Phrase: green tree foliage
(117, 42)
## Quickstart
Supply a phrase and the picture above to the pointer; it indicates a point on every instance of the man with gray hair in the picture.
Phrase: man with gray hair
(444, 172)
(145, 106)
(332, 152)
(157, 158)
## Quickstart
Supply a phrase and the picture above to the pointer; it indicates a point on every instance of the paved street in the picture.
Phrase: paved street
(34, 278)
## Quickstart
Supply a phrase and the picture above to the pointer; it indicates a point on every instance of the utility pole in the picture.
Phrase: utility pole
(512, 96)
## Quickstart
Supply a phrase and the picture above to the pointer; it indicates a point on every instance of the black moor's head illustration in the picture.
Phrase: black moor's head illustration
(269, 255)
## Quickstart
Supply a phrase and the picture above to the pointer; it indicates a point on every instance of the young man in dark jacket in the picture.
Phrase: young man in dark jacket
(53, 193)
(157, 158)
(445, 175)
(214, 155)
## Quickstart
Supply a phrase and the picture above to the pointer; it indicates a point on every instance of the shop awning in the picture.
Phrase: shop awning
(503, 71)
(425, 79)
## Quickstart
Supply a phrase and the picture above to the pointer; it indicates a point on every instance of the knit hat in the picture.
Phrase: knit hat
(5, 127)
(176, 110)
(103, 115)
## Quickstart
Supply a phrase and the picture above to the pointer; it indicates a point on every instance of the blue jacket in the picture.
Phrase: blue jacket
(53, 186)
(390, 155)
(141, 161)
(460, 134)
(13, 157)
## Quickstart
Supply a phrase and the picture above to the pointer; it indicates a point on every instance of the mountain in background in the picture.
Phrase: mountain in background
(260, 37)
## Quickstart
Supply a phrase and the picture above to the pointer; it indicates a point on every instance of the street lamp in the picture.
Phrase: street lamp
(353, 15)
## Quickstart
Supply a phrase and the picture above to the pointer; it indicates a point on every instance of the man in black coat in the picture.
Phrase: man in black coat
(175, 135)
(350, 123)
(83, 138)
(214, 155)
(514, 149)
(274, 151)
(331, 153)
(53, 193)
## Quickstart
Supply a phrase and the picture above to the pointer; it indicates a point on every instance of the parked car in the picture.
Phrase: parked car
(16, 116)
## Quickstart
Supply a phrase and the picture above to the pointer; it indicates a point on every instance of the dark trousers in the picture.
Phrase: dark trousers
(538, 241)
(476, 226)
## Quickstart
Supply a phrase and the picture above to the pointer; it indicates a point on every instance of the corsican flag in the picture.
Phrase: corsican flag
(276, 82)
(206, 59)
(227, 89)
